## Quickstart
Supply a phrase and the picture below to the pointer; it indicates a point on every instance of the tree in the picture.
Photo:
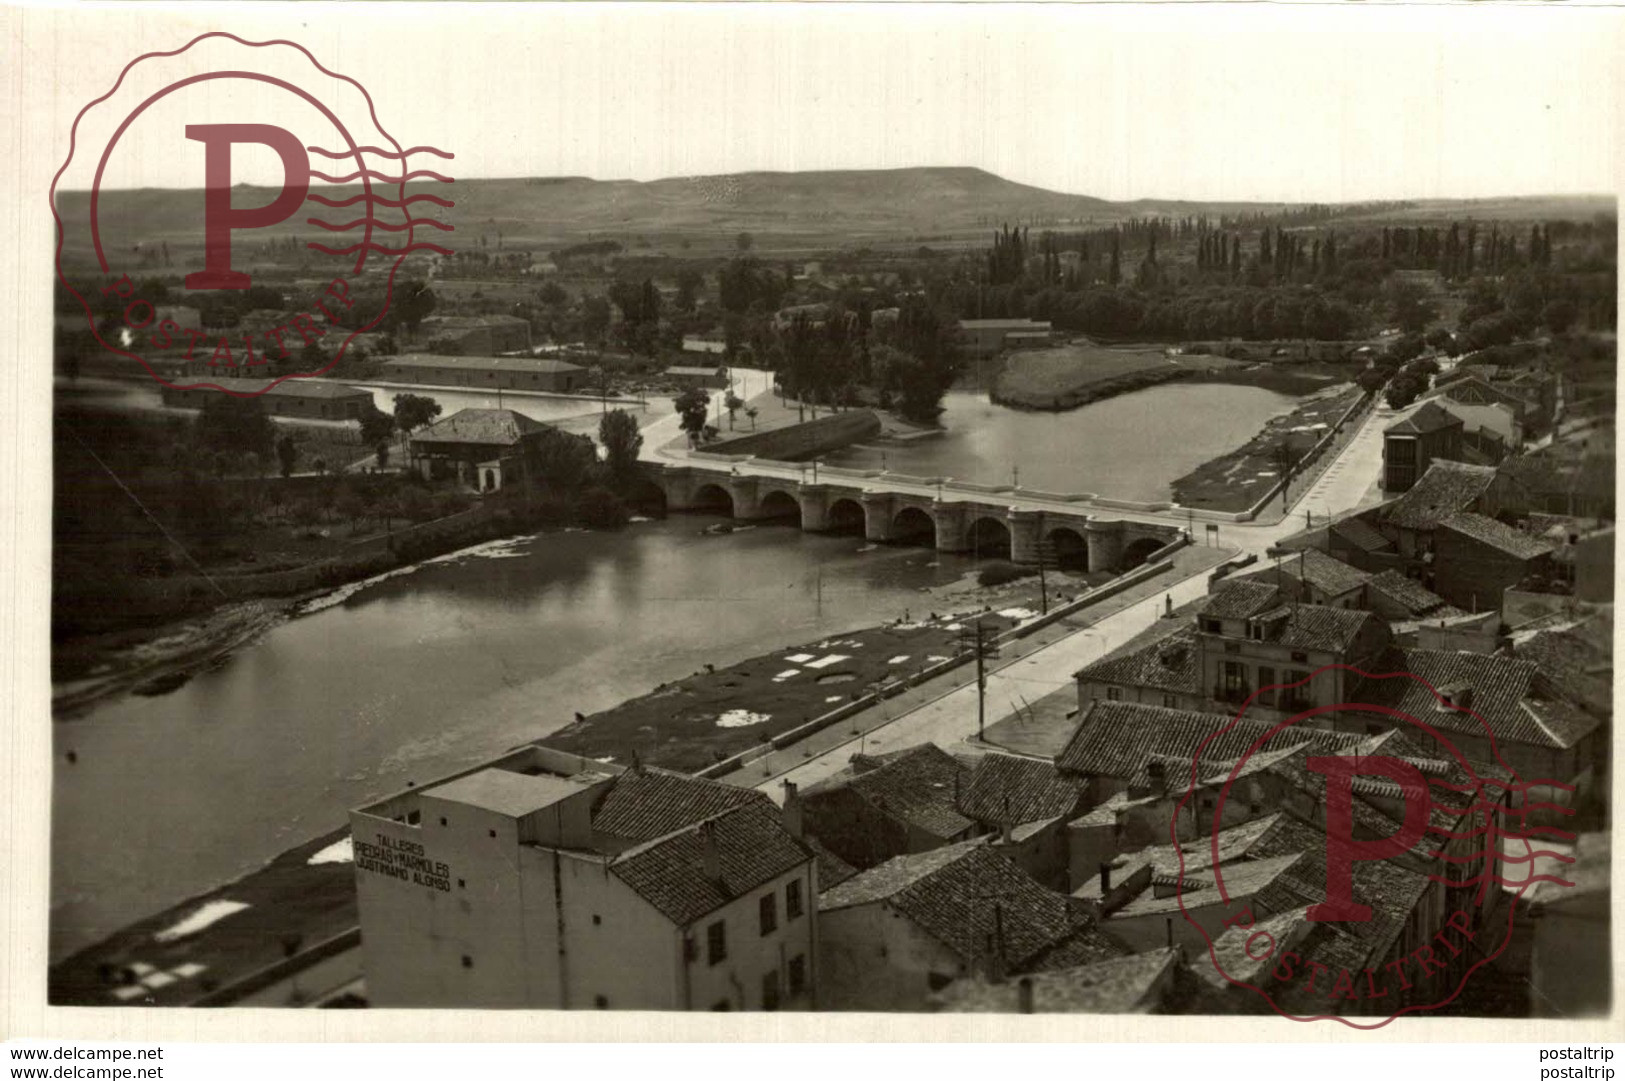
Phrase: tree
(600, 508)
(1558, 316)
(559, 461)
(693, 405)
(744, 242)
(751, 411)
(618, 434)
(1410, 310)
(594, 318)
(416, 301)
(413, 411)
(381, 454)
(286, 454)
(732, 402)
(376, 425)
(1405, 388)
(234, 426)
(688, 289)
(1371, 380)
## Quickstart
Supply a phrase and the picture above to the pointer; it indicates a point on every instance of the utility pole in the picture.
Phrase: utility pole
(1046, 560)
(975, 637)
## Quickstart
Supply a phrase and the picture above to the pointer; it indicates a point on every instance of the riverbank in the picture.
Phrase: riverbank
(1082, 371)
(1234, 481)
(306, 895)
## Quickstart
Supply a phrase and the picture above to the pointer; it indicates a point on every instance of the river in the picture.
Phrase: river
(1128, 447)
(420, 674)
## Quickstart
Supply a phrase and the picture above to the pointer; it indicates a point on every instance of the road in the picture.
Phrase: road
(1348, 482)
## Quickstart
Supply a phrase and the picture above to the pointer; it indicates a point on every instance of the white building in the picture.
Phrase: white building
(547, 880)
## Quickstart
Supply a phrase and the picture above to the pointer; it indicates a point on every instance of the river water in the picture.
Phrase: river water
(437, 667)
(1128, 447)
(420, 674)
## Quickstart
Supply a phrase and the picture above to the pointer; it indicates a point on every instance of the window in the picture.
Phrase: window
(493, 833)
(798, 974)
(770, 990)
(716, 942)
(468, 962)
(1114, 694)
(768, 909)
(597, 919)
(1298, 697)
(1301, 658)
(461, 884)
(442, 821)
(601, 1002)
(937, 981)
(1266, 676)
(1170, 701)
(1211, 626)
(722, 1007)
(792, 900)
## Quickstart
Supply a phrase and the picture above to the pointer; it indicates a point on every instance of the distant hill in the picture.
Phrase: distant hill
(784, 211)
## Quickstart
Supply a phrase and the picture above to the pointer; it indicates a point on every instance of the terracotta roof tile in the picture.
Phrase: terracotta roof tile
(1447, 487)
(499, 427)
(1168, 665)
(753, 848)
(1009, 789)
(1238, 599)
(648, 803)
(1407, 593)
(1504, 538)
(1118, 985)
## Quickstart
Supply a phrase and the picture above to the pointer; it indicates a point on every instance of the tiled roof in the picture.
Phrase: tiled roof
(1008, 789)
(1444, 489)
(1361, 534)
(1430, 418)
(1329, 575)
(1580, 659)
(1238, 599)
(1497, 535)
(1314, 626)
(1502, 695)
(435, 322)
(1087, 944)
(1119, 985)
(646, 803)
(832, 869)
(539, 365)
(965, 896)
(1114, 739)
(921, 787)
(1256, 881)
(1408, 593)
(1168, 665)
(499, 427)
(753, 848)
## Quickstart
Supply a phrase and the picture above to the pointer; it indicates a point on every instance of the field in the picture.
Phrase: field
(1082, 372)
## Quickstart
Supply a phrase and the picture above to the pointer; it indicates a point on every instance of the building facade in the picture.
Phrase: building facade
(300, 398)
(486, 373)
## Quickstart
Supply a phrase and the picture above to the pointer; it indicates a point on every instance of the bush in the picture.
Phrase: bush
(600, 508)
(998, 572)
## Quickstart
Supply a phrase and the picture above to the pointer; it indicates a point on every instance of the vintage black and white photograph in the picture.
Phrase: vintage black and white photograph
(832, 509)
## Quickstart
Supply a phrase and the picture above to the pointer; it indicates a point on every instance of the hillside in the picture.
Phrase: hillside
(784, 211)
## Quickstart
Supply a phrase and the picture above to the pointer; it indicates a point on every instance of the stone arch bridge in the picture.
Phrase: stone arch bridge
(989, 525)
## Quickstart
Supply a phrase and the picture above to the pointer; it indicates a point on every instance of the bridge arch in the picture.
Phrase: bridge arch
(1138, 552)
(846, 516)
(1071, 550)
(913, 525)
(713, 499)
(989, 538)
(779, 504)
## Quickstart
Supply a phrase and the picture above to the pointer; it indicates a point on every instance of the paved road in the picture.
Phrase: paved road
(1348, 482)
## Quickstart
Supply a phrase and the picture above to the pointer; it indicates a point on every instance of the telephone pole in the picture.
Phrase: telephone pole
(1046, 559)
(975, 637)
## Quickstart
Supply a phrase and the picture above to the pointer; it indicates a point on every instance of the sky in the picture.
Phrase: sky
(1266, 102)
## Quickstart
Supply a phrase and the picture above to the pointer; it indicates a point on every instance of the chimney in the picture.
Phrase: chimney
(708, 846)
(1004, 824)
(792, 811)
(1105, 878)
(1024, 994)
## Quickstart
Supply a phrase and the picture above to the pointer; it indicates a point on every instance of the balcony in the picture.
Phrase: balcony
(1233, 695)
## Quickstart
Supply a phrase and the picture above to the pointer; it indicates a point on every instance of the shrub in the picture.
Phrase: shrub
(599, 508)
(998, 572)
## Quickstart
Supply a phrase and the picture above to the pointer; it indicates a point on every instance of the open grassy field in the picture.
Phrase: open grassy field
(1083, 371)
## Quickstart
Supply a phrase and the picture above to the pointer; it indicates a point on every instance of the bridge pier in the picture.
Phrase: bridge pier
(678, 482)
(877, 516)
(952, 535)
(1105, 542)
(814, 500)
(1026, 532)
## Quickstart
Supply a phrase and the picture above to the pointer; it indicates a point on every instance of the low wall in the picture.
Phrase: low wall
(804, 440)
(1306, 470)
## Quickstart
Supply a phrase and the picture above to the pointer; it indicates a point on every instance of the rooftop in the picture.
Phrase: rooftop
(1410, 594)
(1361, 534)
(1009, 789)
(1432, 417)
(752, 848)
(1170, 664)
(1119, 985)
(1446, 487)
(500, 427)
(1501, 537)
(539, 365)
(646, 803)
(1238, 599)
(965, 896)
(1506, 695)
(1314, 626)
(1331, 576)
(507, 793)
(1115, 739)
